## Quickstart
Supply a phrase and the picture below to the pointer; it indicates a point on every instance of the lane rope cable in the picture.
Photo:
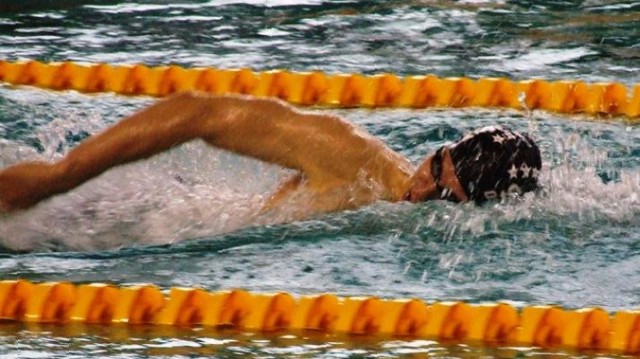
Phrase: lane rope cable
(98, 303)
(343, 90)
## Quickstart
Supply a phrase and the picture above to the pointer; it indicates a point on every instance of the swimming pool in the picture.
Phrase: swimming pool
(574, 246)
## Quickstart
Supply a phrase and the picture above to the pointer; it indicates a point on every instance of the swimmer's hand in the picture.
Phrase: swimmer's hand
(25, 184)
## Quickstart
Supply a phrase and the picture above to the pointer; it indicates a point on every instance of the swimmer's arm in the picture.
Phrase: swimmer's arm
(268, 130)
(152, 130)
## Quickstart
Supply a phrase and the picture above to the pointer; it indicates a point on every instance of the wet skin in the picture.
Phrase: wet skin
(339, 165)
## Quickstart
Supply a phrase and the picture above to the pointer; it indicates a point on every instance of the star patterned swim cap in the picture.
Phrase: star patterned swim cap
(492, 162)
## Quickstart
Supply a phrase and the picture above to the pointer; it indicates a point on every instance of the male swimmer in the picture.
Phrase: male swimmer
(339, 166)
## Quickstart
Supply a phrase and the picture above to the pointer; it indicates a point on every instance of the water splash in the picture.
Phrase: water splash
(572, 187)
(195, 191)
(188, 192)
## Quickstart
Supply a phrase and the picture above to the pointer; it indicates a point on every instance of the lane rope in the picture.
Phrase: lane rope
(99, 303)
(344, 90)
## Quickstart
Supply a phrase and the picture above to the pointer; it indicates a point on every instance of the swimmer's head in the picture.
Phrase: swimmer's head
(488, 163)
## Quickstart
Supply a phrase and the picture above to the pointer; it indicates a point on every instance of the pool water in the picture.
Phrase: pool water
(188, 217)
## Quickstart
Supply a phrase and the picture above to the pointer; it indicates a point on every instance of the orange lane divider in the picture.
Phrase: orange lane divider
(543, 326)
(346, 90)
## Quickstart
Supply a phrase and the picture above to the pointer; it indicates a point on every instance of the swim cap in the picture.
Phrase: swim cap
(494, 161)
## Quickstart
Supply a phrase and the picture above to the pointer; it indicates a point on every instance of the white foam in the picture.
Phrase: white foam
(188, 192)
(195, 191)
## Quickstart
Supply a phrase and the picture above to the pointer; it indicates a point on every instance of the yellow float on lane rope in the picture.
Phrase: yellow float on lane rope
(344, 90)
(543, 326)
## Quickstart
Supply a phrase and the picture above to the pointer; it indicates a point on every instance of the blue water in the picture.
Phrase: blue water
(575, 245)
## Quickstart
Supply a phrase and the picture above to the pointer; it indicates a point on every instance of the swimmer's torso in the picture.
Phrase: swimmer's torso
(356, 169)
(340, 166)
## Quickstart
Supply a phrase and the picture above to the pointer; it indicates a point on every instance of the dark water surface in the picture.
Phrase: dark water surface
(576, 245)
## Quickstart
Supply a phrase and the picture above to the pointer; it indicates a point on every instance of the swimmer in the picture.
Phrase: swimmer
(338, 165)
